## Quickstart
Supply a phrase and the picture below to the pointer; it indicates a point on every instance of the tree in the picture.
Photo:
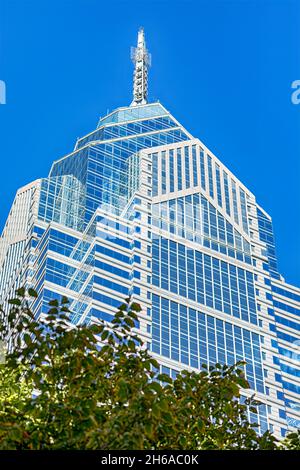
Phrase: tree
(61, 390)
(292, 441)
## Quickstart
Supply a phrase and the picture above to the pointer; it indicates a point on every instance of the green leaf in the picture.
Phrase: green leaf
(32, 292)
(122, 307)
(154, 362)
(123, 389)
(131, 345)
(135, 307)
(104, 335)
(168, 417)
(129, 322)
(106, 348)
(21, 291)
(155, 386)
(163, 404)
(52, 311)
(253, 409)
(242, 382)
(96, 329)
(27, 339)
(165, 378)
(15, 302)
(156, 410)
(65, 309)
(149, 429)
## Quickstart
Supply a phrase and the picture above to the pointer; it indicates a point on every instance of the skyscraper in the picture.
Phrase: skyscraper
(142, 208)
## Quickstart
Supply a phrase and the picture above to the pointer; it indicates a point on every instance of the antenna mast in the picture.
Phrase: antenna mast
(142, 61)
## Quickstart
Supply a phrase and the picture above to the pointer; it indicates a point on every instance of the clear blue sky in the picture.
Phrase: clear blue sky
(223, 68)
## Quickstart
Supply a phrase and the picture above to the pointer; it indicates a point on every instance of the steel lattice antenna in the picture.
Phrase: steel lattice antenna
(142, 61)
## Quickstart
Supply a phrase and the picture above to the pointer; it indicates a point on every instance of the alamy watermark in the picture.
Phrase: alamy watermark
(296, 94)
(2, 92)
(295, 97)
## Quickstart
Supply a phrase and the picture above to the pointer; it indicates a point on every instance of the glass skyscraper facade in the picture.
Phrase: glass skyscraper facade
(141, 208)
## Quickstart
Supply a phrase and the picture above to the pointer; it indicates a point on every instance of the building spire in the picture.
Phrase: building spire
(142, 61)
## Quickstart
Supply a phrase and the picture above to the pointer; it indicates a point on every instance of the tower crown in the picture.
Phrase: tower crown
(142, 61)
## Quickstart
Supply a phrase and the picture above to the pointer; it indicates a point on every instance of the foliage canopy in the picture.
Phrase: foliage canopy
(60, 390)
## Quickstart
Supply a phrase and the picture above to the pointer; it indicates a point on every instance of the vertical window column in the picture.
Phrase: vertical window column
(179, 170)
(235, 204)
(210, 176)
(163, 173)
(218, 180)
(171, 170)
(226, 189)
(195, 169)
(154, 174)
(187, 167)
(202, 170)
